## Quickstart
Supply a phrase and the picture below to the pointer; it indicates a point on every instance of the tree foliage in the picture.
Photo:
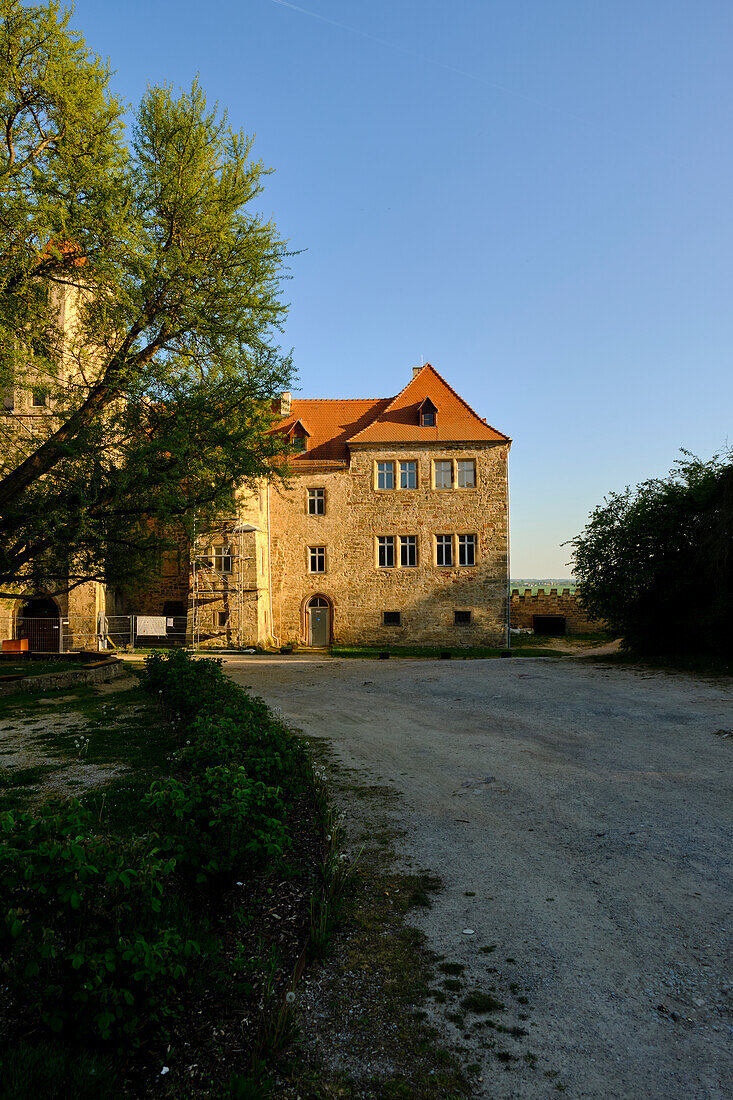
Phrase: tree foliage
(139, 312)
(656, 562)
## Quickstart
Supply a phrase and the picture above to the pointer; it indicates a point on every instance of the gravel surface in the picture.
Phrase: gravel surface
(580, 817)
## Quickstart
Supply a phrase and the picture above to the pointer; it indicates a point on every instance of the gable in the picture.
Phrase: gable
(455, 420)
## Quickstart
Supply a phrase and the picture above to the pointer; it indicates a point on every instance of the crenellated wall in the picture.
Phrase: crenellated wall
(526, 603)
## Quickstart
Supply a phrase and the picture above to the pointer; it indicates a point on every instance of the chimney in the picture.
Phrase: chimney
(285, 399)
(416, 371)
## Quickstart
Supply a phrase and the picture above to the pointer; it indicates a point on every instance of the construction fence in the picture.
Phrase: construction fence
(103, 633)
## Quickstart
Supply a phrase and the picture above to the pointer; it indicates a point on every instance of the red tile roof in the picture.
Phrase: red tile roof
(334, 425)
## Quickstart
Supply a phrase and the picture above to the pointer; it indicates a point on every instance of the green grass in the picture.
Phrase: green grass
(40, 668)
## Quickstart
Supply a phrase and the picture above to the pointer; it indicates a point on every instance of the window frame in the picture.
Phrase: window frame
(388, 474)
(406, 545)
(316, 554)
(315, 500)
(443, 462)
(465, 462)
(223, 619)
(393, 622)
(442, 545)
(415, 466)
(220, 554)
(462, 622)
(386, 543)
(463, 545)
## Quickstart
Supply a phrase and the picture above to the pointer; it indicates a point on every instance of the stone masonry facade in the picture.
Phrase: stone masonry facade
(391, 528)
(396, 529)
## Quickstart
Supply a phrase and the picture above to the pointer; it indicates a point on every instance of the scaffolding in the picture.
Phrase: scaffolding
(218, 568)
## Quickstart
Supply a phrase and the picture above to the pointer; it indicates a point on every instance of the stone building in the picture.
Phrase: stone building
(392, 528)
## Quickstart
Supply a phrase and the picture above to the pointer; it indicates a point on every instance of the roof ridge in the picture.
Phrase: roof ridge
(342, 399)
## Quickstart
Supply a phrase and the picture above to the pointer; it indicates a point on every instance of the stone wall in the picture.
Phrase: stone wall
(357, 589)
(552, 601)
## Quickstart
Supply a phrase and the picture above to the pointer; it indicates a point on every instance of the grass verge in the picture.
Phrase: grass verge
(236, 907)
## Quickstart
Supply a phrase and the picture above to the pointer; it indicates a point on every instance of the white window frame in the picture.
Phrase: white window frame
(223, 559)
(317, 555)
(444, 542)
(466, 541)
(406, 472)
(405, 547)
(461, 473)
(314, 499)
(386, 474)
(443, 463)
(385, 545)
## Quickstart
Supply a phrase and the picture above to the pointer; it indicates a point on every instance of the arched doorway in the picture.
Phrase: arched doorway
(38, 621)
(318, 621)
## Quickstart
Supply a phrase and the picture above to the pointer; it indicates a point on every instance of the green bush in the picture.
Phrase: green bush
(80, 935)
(225, 811)
(220, 821)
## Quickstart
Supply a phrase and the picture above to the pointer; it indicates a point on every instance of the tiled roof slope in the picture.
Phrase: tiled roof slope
(455, 420)
(334, 424)
(329, 424)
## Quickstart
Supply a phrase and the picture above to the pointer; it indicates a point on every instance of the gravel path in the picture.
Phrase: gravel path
(580, 818)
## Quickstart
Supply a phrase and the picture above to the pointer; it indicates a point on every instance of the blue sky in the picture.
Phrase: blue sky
(534, 197)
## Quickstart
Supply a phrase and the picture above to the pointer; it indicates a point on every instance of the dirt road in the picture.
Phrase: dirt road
(580, 818)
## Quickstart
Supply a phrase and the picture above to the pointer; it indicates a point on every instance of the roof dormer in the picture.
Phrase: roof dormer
(299, 436)
(427, 413)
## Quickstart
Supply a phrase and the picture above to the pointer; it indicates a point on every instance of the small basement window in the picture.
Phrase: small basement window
(392, 618)
(222, 619)
(461, 618)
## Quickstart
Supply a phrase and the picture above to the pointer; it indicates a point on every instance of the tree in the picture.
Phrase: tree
(656, 562)
(139, 310)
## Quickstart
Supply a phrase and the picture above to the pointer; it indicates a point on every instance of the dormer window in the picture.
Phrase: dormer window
(299, 436)
(428, 412)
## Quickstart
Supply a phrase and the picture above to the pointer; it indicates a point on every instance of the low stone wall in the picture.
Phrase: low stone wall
(526, 603)
(51, 681)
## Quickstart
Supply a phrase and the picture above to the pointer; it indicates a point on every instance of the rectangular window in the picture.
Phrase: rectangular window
(466, 473)
(222, 556)
(427, 418)
(222, 619)
(466, 549)
(316, 502)
(386, 551)
(444, 549)
(408, 475)
(443, 473)
(408, 551)
(385, 475)
(392, 618)
(461, 618)
(38, 399)
(317, 556)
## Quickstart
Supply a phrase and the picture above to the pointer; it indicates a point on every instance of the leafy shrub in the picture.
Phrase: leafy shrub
(220, 821)
(80, 940)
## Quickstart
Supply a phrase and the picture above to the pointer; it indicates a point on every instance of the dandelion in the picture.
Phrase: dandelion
(290, 998)
(164, 1070)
